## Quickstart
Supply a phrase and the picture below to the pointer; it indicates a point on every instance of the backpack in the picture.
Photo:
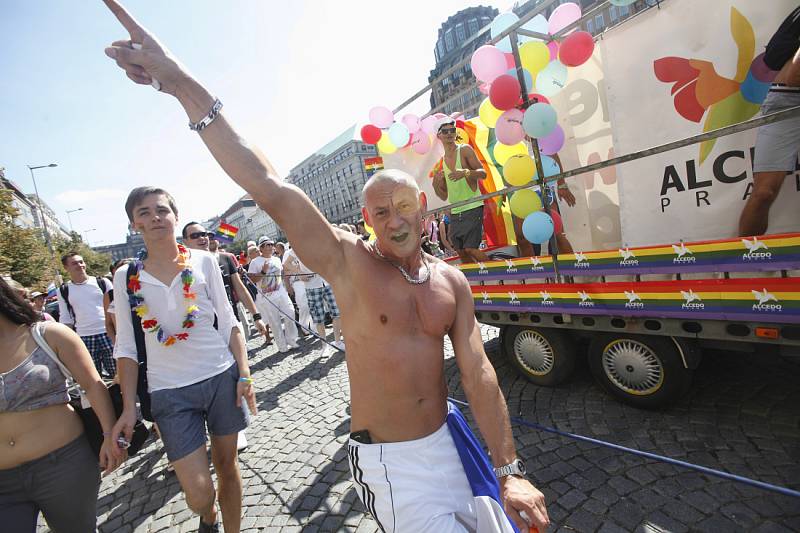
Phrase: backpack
(64, 290)
(141, 350)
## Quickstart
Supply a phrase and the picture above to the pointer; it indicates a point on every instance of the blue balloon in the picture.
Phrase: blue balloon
(550, 166)
(398, 134)
(539, 120)
(526, 75)
(538, 227)
(501, 23)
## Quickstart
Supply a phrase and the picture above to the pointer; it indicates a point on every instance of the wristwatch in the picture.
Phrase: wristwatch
(514, 468)
(256, 316)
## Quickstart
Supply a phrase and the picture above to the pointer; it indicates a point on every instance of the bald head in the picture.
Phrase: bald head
(389, 175)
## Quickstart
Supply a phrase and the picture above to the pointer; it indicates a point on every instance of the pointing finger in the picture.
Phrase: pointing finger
(130, 24)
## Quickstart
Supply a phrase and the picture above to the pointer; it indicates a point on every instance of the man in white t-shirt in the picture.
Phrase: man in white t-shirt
(297, 275)
(273, 301)
(83, 304)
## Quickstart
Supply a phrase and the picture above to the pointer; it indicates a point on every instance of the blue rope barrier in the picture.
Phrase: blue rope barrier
(676, 462)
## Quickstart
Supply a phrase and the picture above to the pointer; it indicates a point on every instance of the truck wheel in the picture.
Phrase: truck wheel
(641, 370)
(544, 356)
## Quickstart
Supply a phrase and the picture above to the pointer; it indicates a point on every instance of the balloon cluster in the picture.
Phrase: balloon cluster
(544, 73)
(410, 132)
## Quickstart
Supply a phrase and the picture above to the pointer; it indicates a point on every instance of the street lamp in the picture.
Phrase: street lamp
(88, 231)
(44, 221)
(70, 218)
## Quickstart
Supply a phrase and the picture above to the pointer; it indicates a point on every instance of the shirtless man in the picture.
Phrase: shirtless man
(408, 445)
(777, 144)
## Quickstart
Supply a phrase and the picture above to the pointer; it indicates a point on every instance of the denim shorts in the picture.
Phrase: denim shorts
(777, 143)
(182, 414)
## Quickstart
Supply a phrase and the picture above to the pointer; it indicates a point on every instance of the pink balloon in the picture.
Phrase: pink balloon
(563, 16)
(553, 47)
(428, 124)
(381, 117)
(510, 61)
(488, 62)
(484, 88)
(421, 142)
(508, 129)
(558, 223)
(553, 142)
(411, 121)
(576, 49)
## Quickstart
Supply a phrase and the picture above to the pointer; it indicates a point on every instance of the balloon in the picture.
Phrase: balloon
(385, 145)
(553, 142)
(421, 142)
(487, 63)
(519, 170)
(622, 2)
(525, 76)
(504, 92)
(557, 222)
(398, 134)
(549, 166)
(563, 16)
(536, 98)
(576, 49)
(508, 128)
(534, 56)
(488, 113)
(501, 23)
(538, 227)
(428, 124)
(370, 134)
(381, 117)
(510, 62)
(539, 120)
(502, 152)
(553, 47)
(484, 88)
(411, 121)
(525, 202)
(537, 24)
(552, 78)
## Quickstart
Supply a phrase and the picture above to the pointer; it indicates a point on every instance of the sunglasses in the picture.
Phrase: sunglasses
(447, 131)
(198, 234)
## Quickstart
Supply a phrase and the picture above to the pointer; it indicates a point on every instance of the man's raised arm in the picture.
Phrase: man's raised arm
(151, 63)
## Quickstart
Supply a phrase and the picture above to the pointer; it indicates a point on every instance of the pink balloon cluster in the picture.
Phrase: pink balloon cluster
(390, 135)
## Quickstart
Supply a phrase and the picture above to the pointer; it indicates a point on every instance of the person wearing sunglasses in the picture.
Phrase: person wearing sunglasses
(456, 181)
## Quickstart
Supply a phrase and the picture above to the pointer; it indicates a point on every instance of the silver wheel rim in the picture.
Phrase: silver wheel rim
(534, 352)
(633, 367)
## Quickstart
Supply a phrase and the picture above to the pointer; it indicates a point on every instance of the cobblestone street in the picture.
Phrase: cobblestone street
(742, 416)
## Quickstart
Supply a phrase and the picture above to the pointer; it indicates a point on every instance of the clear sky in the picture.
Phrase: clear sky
(292, 76)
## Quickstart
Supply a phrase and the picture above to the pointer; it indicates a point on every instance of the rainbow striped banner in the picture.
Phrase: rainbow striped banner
(520, 268)
(372, 165)
(753, 299)
(226, 233)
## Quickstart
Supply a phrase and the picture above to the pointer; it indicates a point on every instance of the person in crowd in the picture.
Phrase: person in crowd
(457, 181)
(361, 230)
(273, 300)
(777, 143)
(82, 303)
(280, 249)
(397, 305)
(37, 301)
(296, 278)
(111, 317)
(198, 375)
(46, 463)
(444, 228)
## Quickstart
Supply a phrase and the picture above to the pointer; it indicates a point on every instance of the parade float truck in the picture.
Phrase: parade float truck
(658, 274)
(654, 122)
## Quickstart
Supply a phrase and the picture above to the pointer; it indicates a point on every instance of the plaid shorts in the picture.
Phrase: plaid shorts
(102, 350)
(318, 300)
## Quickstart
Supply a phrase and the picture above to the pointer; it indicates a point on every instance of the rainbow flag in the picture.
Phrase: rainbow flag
(372, 165)
(226, 233)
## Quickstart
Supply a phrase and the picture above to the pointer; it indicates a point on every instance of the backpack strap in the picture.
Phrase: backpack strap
(141, 349)
(64, 290)
(101, 282)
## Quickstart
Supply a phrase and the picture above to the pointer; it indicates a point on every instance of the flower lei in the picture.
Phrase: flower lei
(150, 324)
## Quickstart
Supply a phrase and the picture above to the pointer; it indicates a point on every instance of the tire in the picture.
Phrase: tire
(545, 356)
(643, 371)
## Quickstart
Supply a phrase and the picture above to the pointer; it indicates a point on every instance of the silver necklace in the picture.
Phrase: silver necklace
(402, 270)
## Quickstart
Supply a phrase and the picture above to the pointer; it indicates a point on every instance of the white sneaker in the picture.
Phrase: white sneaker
(241, 441)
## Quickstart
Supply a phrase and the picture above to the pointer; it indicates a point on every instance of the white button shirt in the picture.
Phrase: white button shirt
(205, 353)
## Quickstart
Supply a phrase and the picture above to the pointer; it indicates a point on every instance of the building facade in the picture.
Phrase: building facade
(54, 226)
(20, 202)
(134, 243)
(334, 175)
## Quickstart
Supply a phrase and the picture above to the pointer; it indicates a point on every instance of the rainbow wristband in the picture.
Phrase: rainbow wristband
(246, 380)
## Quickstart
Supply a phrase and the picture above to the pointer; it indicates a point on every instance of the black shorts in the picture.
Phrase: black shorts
(466, 229)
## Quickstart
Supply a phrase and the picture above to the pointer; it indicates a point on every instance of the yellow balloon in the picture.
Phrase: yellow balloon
(502, 152)
(519, 169)
(534, 56)
(385, 144)
(488, 113)
(525, 202)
